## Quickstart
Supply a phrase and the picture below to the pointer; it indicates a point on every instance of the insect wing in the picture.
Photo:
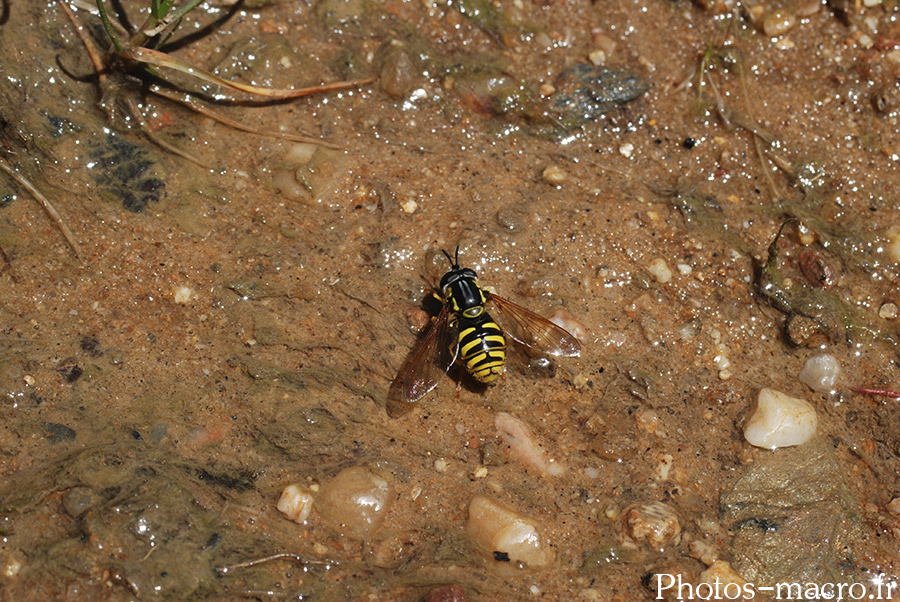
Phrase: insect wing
(433, 358)
(534, 331)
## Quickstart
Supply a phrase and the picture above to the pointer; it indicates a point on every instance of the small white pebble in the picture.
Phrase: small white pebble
(806, 235)
(554, 175)
(441, 465)
(626, 149)
(703, 551)
(29, 380)
(722, 362)
(888, 311)
(183, 295)
(684, 269)
(597, 57)
(721, 573)
(660, 270)
(784, 44)
(409, 205)
(12, 566)
(535, 590)
(820, 373)
(580, 381)
(778, 23)
(480, 472)
(650, 422)
(893, 243)
(591, 472)
(296, 503)
(301, 153)
(416, 492)
(664, 465)
(780, 420)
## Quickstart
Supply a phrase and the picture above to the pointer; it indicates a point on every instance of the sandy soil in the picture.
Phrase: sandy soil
(236, 315)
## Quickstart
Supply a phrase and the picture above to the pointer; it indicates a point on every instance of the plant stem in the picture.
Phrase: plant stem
(108, 26)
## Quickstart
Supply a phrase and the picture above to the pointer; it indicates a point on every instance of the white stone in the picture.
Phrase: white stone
(183, 295)
(820, 373)
(496, 528)
(296, 503)
(780, 421)
(660, 270)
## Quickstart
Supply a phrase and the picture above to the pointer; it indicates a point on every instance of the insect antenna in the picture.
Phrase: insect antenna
(453, 263)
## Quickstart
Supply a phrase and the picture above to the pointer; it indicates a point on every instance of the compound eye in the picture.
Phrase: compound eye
(473, 312)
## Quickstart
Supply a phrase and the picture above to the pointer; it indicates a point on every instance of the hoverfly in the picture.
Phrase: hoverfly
(464, 330)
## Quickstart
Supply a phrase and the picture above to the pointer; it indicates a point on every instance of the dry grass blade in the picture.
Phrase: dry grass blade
(48, 206)
(161, 59)
(148, 131)
(196, 107)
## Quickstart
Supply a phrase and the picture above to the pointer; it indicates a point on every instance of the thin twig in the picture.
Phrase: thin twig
(45, 203)
(92, 50)
(222, 570)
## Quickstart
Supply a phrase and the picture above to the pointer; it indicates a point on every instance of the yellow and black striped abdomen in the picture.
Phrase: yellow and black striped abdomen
(482, 348)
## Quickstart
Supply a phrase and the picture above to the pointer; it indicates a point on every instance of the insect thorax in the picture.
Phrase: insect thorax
(465, 297)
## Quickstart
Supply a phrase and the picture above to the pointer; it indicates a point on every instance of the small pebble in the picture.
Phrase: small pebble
(409, 206)
(441, 465)
(13, 560)
(602, 41)
(654, 524)
(597, 57)
(496, 528)
(300, 153)
(480, 472)
(355, 501)
(721, 575)
(893, 243)
(888, 311)
(524, 448)
(820, 373)
(703, 551)
(660, 270)
(296, 503)
(183, 295)
(778, 23)
(554, 175)
(894, 506)
(626, 150)
(78, 500)
(58, 433)
(780, 421)
(806, 235)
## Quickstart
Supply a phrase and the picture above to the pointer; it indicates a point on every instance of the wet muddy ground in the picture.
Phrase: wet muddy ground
(237, 313)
